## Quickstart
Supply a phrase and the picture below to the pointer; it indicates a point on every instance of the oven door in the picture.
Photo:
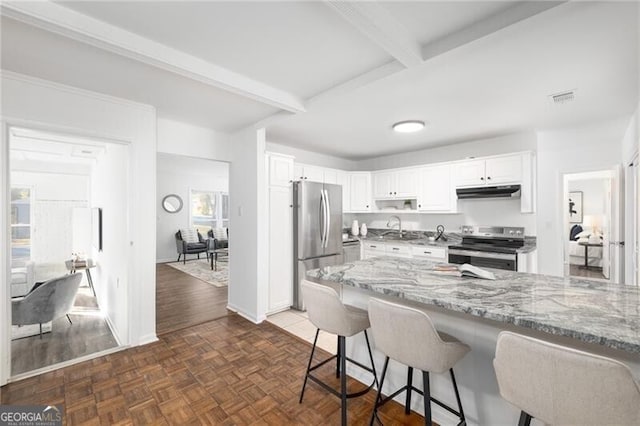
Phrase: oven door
(484, 259)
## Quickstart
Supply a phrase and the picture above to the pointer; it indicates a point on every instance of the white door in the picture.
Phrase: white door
(470, 173)
(383, 185)
(436, 193)
(612, 245)
(406, 183)
(504, 170)
(280, 249)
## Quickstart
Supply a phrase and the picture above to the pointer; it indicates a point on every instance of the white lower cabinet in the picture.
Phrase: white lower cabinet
(436, 254)
(431, 253)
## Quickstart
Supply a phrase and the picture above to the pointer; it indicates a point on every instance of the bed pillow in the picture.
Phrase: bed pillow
(583, 240)
(575, 230)
(584, 234)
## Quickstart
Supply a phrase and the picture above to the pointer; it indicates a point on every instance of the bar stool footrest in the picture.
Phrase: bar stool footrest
(332, 390)
(420, 392)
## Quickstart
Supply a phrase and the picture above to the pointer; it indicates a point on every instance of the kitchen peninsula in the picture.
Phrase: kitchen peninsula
(589, 315)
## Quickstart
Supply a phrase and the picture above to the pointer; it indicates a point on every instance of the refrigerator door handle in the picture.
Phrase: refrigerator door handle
(327, 216)
(323, 219)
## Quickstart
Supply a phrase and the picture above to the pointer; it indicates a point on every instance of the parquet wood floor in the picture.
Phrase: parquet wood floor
(223, 372)
(183, 301)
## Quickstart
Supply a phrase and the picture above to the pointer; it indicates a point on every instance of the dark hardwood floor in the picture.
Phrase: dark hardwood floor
(88, 334)
(183, 301)
(227, 372)
(578, 271)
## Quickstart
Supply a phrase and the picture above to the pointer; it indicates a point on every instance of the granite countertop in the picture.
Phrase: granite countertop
(421, 239)
(587, 310)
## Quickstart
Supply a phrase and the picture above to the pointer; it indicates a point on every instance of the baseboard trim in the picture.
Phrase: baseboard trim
(249, 317)
(167, 260)
(113, 329)
(149, 338)
(64, 364)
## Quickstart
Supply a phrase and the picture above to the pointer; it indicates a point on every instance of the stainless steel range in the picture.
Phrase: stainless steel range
(489, 246)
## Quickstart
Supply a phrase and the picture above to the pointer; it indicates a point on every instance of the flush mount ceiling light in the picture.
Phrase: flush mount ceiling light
(408, 126)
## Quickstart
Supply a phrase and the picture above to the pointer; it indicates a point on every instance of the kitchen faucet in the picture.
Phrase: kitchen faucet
(399, 224)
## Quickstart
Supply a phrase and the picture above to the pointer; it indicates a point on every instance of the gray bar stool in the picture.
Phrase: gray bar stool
(327, 312)
(561, 385)
(408, 336)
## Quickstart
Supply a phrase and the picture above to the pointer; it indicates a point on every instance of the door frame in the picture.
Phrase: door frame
(6, 124)
(615, 222)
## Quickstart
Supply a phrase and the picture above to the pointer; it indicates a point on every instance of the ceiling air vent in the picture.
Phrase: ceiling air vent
(564, 97)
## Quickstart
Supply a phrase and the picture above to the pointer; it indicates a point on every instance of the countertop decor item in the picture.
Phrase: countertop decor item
(354, 228)
(363, 230)
(440, 233)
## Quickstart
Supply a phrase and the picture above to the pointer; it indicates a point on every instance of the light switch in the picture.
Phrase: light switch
(239, 210)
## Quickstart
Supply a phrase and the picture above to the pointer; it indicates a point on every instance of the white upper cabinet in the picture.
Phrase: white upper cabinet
(436, 193)
(406, 183)
(306, 172)
(330, 176)
(342, 178)
(359, 191)
(470, 173)
(502, 170)
(395, 184)
(280, 170)
(383, 185)
(490, 171)
(315, 173)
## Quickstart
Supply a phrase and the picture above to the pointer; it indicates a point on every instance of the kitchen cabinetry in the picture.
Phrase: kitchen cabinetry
(280, 172)
(395, 184)
(436, 254)
(359, 191)
(490, 171)
(431, 253)
(342, 179)
(436, 193)
(307, 172)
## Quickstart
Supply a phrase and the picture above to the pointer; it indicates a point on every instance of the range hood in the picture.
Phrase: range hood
(503, 191)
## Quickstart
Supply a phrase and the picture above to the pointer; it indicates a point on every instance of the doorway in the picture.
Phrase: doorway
(56, 182)
(192, 241)
(592, 225)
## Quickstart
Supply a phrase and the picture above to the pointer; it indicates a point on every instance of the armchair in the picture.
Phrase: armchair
(217, 239)
(46, 302)
(185, 248)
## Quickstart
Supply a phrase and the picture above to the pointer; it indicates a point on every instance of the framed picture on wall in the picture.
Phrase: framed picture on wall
(575, 207)
(96, 228)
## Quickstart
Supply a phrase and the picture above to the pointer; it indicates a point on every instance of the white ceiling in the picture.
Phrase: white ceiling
(355, 67)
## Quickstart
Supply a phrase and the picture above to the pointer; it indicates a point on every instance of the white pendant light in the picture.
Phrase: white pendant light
(408, 126)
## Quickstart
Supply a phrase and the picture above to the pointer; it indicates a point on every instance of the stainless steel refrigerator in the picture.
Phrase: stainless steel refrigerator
(317, 230)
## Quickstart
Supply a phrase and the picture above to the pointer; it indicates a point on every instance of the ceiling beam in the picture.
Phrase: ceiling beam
(375, 22)
(69, 23)
(485, 27)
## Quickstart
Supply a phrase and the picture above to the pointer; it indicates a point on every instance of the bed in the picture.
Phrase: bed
(577, 251)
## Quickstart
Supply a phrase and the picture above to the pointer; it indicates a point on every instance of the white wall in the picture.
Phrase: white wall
(175, 137)
(44, 105)
(111, 276)
(477, 148)
(248, 269)
(179, 175)
(312, 158)
(593, 198)
(589, 148)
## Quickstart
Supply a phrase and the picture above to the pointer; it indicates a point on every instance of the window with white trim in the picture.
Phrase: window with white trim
(21, 201)
(209, 209)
